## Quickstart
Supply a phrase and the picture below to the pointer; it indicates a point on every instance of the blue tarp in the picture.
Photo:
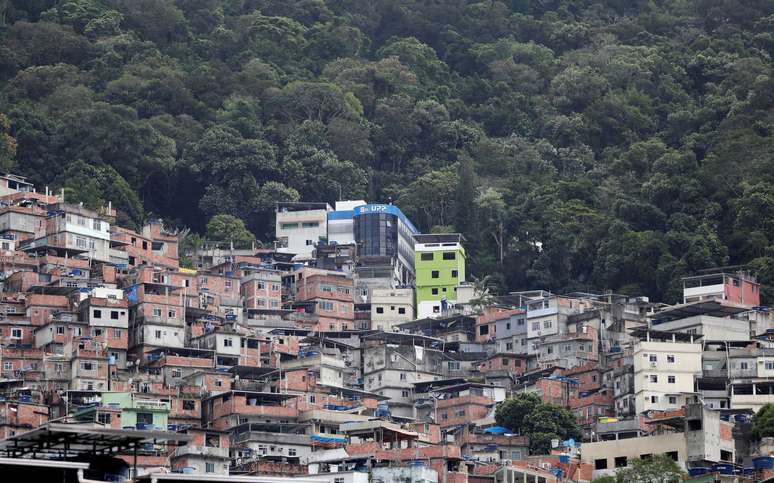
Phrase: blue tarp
(497, 430)
(328, 439)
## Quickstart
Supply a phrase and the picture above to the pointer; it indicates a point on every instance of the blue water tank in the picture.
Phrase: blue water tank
(564, 458)
(763, 462)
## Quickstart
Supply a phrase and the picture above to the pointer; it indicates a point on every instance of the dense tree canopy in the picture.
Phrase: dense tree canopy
(656, 469)
(763, 422)
(578, 144)
(528, 415)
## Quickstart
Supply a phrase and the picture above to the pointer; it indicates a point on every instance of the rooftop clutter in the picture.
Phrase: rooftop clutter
(357, 347)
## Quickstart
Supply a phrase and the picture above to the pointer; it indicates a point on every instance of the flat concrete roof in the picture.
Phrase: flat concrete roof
(180, 477)
(72, 439)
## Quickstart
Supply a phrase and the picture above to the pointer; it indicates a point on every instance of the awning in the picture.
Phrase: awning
(328, 440)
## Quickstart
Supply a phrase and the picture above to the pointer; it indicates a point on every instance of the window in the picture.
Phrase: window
(646, 456)
(16, 333)
(158, 334)
(114, 314)
(769, 365)
(535, 325)
(97, 314)
(379, 310)
(620, 461)
(672, 454)
(209, 467)
(547, 324)
(310, 224)
(291, 451)
(600, 464)
(7, 366)
(404, 393)
(177, 373)
(338, 480)
(157, 311)
(671, 359)
(654, 399)
(289, 226)
(505, 361)
(434, 291)
(401, 310)
(189, 404)
(97, 332)
(60, 329)
(449, 256)
(426, 257)
(653, 378)
(172, 313)
(402, 376)
(743, 366)
(672, 399)
(671, 379)
(434, 274)
(117, 333)
(653, 358)
(509, 346)
(228, 283)
(87, 366)
(228, 342)
(455, 273)
(104, 418)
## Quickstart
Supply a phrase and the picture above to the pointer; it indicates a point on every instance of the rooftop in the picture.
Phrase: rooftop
(65, 440)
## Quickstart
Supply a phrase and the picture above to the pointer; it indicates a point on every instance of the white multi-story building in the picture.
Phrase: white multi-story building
(75, 230)
(390, 307)
(665, 365)
(300, 226)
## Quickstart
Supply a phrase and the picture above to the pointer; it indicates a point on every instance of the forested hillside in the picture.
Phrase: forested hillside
(578, 144)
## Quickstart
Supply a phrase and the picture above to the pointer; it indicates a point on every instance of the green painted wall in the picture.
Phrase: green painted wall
(425, 283)
(130, 407)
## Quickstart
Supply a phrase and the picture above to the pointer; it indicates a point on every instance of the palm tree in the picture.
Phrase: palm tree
(481, 294)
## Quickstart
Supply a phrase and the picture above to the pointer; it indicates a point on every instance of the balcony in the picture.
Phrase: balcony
(211, 451)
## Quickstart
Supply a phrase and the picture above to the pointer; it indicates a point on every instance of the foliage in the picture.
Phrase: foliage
(576, 145)
(658, 469)
(763, 422)
(528, 415)
(229, 229)
(7, 144)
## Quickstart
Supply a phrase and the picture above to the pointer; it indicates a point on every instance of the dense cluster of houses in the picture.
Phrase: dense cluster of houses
(355, 350)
